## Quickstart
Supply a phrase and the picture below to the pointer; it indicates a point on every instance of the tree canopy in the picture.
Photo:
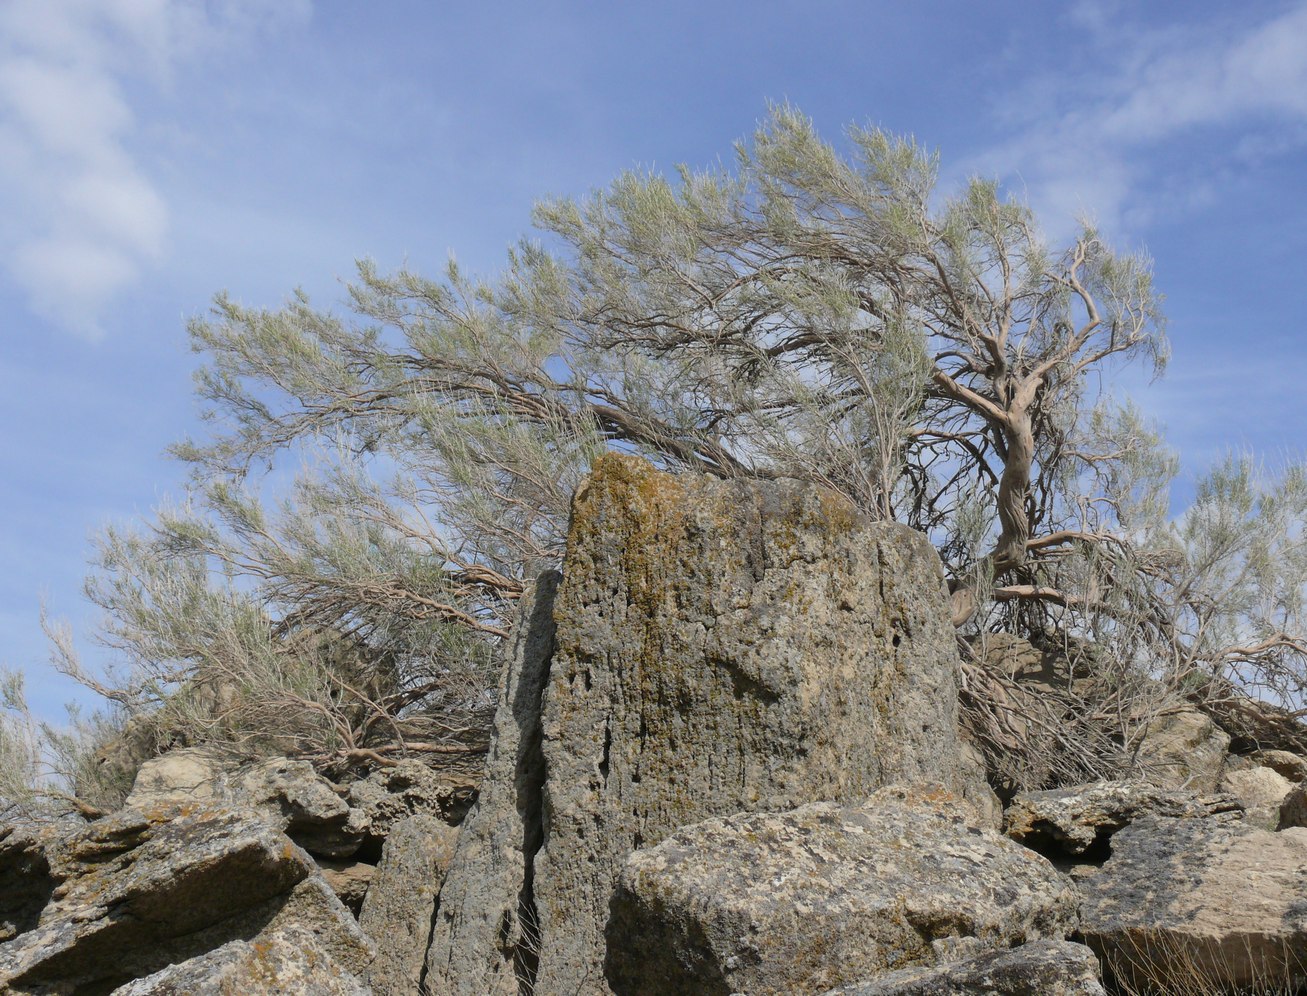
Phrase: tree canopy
(799, 313)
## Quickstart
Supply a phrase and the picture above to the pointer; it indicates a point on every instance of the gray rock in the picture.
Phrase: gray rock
(1183, 749)
(410, 788)
(1071, 821)
(725, 647)
(1293, 810)
(1041, 968)
(288, 794)
(135, 892)
(485, 931)
(1200, 906)
(397, 912)
(279, 962)
(822, 896)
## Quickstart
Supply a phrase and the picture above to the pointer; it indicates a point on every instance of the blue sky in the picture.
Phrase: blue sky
(153, 152)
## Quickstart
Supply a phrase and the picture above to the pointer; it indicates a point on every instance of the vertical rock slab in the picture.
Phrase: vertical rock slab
(398, 907)
(484, 935)
(725, 646)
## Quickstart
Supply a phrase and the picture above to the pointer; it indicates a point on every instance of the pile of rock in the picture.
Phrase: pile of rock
(726, 759)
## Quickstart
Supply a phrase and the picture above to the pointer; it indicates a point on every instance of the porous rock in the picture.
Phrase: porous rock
(825, 895)
(1040, 968)
(349, 880)
(397, 911)
(1204, 905)
(135, 892)
(1071, 821)
(726, 646)
(409, 788)
(281, 961)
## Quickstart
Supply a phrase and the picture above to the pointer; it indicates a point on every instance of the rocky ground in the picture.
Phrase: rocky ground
(726, 760)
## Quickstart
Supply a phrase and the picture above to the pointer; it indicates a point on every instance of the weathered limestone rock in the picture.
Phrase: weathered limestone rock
(397, 911)
(485, 931)
(823, 895)
(410, 788)
(1184, 749)
(1041, 968)
(1072, 821)
(288, 794)
(726, 647)
(135, 892)
(282, 961)
(1260, 790)
(1206, 905)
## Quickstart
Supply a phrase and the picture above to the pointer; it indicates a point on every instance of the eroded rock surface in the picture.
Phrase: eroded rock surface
(1207, 905)
(485, 932)
(1260, 790)
(1184, 749)
(824, 895)
(725, 647)
(1041, 968)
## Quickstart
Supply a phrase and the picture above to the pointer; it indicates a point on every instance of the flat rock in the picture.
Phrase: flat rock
(1041, 968)
(1206, 905)
(1072, 821)
(825, 895)
(280, 962)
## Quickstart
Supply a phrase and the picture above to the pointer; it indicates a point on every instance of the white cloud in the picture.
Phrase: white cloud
(1090, 145)
(80, 217)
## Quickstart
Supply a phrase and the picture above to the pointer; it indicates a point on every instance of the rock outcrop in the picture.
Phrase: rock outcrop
(1041, 968)
(802, 901)
(726, 647)
(136, 892)
(1184, 749)
(1200, 905)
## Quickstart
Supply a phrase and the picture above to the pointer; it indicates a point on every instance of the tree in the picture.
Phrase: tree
(801, 315)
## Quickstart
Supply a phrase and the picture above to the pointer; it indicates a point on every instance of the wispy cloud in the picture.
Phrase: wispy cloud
(80, 217)
(1100, 139)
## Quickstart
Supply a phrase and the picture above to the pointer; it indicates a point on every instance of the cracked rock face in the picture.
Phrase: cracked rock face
(825, 895)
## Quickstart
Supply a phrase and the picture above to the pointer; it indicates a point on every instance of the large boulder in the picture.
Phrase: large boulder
(397, 911)
(282, 961)
(802, 901)
(1041, 968)
(135, 892)
(1200, 905)
(726, 646)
